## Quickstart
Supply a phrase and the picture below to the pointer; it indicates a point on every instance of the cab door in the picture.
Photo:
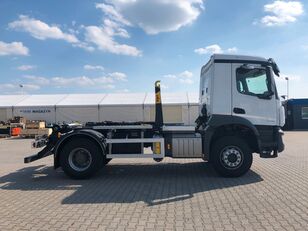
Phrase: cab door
(253, 96)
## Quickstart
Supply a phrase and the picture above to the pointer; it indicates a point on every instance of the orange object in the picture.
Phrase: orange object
(15, 131)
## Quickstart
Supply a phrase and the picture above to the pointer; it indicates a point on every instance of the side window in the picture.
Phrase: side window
(252, 81)
(206, 82)
(305, 113)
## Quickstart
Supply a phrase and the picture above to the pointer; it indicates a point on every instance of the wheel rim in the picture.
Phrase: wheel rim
(231, 157)
(80, 159)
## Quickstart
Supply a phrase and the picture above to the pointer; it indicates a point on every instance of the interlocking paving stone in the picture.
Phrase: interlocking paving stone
(130, 194)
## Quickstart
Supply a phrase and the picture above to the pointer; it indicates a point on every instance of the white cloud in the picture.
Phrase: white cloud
(37, 79)
(111, 12)
(185, 77)
(118, 76)
(106, 82)
(123, 91)
(186, 81)
(31, 87)
(10, 87)
(26, 67)
(101, 37)
(212, 49)
(80, 81)
(93, 68)
(83, 81)
(41, 30)
(282, 12)
(153, 16)
(232, 50)
(115, 29)
(102, 80)
(14, 48)
(109, 86)
(215, 49)
(291, 77)
(163, 86)
(84, 46)
(170, 76)
(57, 82)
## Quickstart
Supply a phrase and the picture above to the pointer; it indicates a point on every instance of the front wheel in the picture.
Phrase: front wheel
(231, 156)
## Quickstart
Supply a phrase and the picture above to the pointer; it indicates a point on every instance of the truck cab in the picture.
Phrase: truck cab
(238, 97)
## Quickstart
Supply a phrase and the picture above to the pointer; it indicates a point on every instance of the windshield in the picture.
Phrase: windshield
(255, 82)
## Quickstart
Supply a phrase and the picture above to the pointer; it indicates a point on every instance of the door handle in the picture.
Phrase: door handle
(237, 110)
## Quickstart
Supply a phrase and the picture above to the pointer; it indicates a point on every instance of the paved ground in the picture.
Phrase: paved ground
(172, 195)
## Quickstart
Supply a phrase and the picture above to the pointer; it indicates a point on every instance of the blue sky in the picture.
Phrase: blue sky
(78, 46)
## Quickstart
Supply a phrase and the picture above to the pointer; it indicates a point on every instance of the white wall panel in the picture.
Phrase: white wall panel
(3, 114)
(47, 113)
(120, 113)
(81, 114)
(171, 113)
(193, 114)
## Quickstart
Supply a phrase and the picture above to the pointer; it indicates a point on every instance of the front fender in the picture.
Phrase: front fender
(216, 121)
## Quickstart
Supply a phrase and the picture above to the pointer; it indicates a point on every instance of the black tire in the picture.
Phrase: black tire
(231, 156)
(91, 155)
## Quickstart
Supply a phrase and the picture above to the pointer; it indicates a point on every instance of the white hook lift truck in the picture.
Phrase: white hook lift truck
(240, 114)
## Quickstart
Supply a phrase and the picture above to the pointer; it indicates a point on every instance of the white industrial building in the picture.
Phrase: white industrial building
(177, 107)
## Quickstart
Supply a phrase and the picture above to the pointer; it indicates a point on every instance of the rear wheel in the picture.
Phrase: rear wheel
(81, 158)
(231, 156)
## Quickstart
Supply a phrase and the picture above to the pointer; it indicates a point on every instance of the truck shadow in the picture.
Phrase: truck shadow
(128, 183)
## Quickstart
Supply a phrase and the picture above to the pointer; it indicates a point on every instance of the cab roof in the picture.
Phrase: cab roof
(223, 58)
(238, 58)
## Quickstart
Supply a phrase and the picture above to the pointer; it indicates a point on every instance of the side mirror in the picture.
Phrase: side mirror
(274, 66)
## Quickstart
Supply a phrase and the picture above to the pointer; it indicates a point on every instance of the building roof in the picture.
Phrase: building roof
(96, 99)
(40, 100)
(81, 100)
(10, 100)
(124, 99)
(298, 101)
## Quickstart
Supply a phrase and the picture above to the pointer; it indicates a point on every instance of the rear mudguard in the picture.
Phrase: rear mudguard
(88, 133)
